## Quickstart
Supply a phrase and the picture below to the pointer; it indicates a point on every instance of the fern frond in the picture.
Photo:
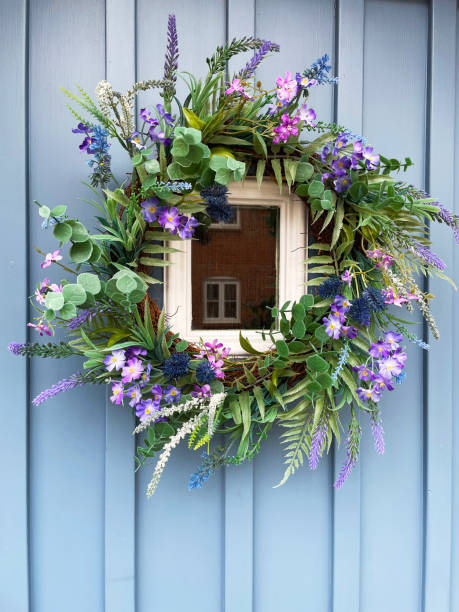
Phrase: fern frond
(297, 442)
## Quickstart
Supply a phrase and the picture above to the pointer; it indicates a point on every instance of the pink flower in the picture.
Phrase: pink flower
(40, 327)
(286, 129)
(56, 288)
(117, 393)
(40, 293)
(201, 392)
(287, 88)
(235, 86)
(50, 257)
(216, 366)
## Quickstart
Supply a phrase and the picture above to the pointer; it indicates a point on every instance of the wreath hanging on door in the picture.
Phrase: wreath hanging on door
(339, 348)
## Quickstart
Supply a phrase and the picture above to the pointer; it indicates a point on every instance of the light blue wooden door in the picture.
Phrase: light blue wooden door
(77, 532)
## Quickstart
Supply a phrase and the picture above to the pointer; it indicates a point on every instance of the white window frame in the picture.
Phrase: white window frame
(218, 225)
(222, 281)
(292, 270)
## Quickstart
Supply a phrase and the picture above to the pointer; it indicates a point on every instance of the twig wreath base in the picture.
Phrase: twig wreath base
(338, 349)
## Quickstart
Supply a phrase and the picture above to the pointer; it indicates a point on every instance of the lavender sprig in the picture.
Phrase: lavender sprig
(430, 258)
(378, 432)
(352, 452)
(75, 380)
(256, 60)
(317, 445)
(172, 55)
(35, 349)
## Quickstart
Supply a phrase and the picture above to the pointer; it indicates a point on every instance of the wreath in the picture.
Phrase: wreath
(335, 351)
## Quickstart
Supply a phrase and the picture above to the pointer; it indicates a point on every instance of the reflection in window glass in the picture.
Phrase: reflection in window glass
(234, 271)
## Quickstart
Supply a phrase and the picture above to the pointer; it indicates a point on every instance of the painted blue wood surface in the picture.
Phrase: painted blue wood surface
(76, 531)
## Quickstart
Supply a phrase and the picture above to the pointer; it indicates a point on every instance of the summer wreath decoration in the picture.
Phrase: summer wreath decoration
(339, 348)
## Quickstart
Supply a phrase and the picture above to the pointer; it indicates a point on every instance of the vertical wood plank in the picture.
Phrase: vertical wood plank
(238, 481)
(346, 501)
(119, 421)
(439, 417)
(14, 570)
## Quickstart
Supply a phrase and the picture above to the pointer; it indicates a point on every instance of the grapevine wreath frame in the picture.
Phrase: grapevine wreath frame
(333, 351)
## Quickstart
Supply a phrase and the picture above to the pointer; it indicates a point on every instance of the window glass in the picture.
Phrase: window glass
(234, 271)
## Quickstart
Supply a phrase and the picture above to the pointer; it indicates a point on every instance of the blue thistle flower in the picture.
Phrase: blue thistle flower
(205, 373)
(176, 366)
(218, 208)
(330, 288)
(375, 299)
(360, 311)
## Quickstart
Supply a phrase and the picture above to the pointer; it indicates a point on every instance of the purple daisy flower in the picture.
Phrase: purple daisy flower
(115, 361)
(132, 370)
(383, 383)
(366, 395)
(342, 183)
(380, 350)
(172, 394)
(393, 339)
(166, 116)
(157, 394)
(341, 166)
(134, 394)
(332, 327)
(151, 209)
(117, 393)
(364, 373)
(146, 115)
(145, 408)
(169, 218)
(390, 367)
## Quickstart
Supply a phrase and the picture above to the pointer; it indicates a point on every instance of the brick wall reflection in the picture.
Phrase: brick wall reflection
(247, 253)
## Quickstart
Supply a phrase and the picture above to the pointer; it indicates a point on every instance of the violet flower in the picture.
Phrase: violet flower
(117, 393)
(169, 218)
(50, 257)
(134, 394)
(146, 115)
(63, 385)
(318, 439)
(172, 394)
(41, 328)
(169, 120)
(151, 209)
(115, 361)
(172, 55)
(256, 60)
(132, 370)
(378, 433)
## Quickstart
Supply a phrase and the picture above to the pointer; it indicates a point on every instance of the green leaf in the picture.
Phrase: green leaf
(79, 232)
(164, 430)
(54, 300)
(260, 401)
(259, 144)
(316, 363)
(321, 334)
(96, 253)
(316, 189)
(58, 211)
(126, 284)
(338, 223)
(181, 346)
(296, 346)
(152, 167)
(81, 251)
(62, 232)
(50, 315)
(74, 293)
(276, 166)
(314, 386)
(299, 329)
(325, 380)
(307, 300)
(137, 159)
(89, 282)
(304, 171)
(246, 346)
(261, 165)
(282, 348)
(44, 211)
(298, 312)
(68, 311)
(302, 190)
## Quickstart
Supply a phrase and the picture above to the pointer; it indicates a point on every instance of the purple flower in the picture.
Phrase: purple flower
(307, 115)
(172, 55)
(400, 356)
(117, 393)
(324, 153)
(145, 408)
(287, 88)
(390, 367)
(383, 383)
(358, 149)
(342, 183)
(341, 303)
(372, 159)
(146, 115)
(81, 129)
(341, 166)
(429, 256)
(373, 394)
(87, 142)
(159, 137)
(145, 377)
(380, 350)
(135, 351)
(132, 370)
(326, 176)
(169, 218)
(340, 143)
(136, 140)
(363, 372)
(166, 116)
(201, 392)
(392, 339)
(50, 257)
(151, 209)
(317, 445)
(347, 277)
(115, 361)
(304, 81)
(235, 87)
(157, 393)
(172, 394)
(333, 327)
(134, 394)
(349, 331)
(187, 226)
(352, 453)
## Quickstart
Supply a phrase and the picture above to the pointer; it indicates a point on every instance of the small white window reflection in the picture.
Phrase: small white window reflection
(233, 224)
(222, 300)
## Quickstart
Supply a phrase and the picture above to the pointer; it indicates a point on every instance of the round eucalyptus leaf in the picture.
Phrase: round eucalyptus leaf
(282, 348)
(136, 296)
(126, 284)
(58, 211)
(299, 329)
(316, 363)
(81, 251)
(298, 312)
(79, 232)
(44, 212)
(74, 293)
(50, 315)
(96, 253)
(62, 232)
(314, 386)
(68, 311)
(89, 282)
(54, 300)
